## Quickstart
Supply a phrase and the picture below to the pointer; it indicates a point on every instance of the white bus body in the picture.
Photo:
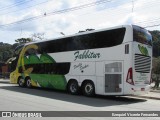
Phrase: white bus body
(122, 69)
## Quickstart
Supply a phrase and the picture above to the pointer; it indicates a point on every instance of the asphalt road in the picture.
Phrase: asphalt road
(14, 98)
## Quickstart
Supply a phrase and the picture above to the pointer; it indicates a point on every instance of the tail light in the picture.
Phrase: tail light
(130, 77)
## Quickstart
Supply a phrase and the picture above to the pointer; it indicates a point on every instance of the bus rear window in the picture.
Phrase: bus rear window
(141, 35)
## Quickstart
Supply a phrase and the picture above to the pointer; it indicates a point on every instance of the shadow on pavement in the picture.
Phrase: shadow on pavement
(97, 101)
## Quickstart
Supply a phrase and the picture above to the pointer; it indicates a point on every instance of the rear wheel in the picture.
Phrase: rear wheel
(88, 88)
(28, 83)
(73, 87)
(21, 82)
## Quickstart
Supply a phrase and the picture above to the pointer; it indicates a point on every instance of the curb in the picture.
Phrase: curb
(155, 98)
(4, 81)
(158, 91)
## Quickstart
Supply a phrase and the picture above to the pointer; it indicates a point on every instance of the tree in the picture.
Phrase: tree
(156, 71)
(15, 45)
(6, 51)
(23, 40)
(156, 65)
(156, 42)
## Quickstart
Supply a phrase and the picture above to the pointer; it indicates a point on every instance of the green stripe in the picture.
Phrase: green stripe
(50, 81)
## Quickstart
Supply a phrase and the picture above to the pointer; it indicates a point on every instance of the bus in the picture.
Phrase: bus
(112, 61)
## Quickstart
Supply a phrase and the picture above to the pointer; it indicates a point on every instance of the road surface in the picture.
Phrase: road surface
(14, 98)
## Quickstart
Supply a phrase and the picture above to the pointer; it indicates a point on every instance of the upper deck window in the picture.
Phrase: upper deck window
(101, 39)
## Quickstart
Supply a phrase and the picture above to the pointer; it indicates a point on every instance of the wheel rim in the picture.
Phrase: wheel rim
(73, 87)
(21, 82)
(28, 83)
(88, 88)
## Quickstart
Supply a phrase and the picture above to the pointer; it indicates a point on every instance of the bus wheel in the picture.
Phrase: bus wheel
(28, 83)
(21, 82)
(73, 87)
(88, 88)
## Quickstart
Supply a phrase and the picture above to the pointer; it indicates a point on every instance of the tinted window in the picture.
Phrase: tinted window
(31, 51)
(100, 39)
(18, 50)
(141, 35)
(48, 68)
(14, 64)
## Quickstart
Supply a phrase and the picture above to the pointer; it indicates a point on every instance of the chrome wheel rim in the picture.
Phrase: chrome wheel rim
(88, 88)
(29, 83)
(73, 88)
(21, 82)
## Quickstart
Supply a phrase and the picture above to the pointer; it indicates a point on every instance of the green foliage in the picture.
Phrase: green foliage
(6, 51)
(156, 65)
(23, 40)
(156, 42)
(156, 51)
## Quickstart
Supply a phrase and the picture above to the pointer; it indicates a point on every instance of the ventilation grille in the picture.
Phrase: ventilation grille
(142, 63)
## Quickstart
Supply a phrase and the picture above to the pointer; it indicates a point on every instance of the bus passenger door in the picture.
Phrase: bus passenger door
(113, 77)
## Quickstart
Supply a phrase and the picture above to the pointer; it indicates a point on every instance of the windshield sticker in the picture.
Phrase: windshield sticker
(143, 50)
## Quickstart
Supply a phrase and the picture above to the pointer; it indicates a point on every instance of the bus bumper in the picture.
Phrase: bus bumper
(140, 90)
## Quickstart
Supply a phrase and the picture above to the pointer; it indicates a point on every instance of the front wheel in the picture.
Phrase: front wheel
(21, 82)
(28, 83)
(88, 89)
(73, 87)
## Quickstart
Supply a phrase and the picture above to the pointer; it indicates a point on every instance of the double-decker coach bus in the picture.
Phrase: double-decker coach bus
(113, 61)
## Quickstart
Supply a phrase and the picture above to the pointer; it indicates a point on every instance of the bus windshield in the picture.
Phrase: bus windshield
(141, 35)
(18, 50)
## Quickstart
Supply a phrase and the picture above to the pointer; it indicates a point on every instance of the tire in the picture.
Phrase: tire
(21, 82)
(88, 89)
(73, 87)
(28, 83)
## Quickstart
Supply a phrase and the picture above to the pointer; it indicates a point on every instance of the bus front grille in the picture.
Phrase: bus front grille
(142, 63)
